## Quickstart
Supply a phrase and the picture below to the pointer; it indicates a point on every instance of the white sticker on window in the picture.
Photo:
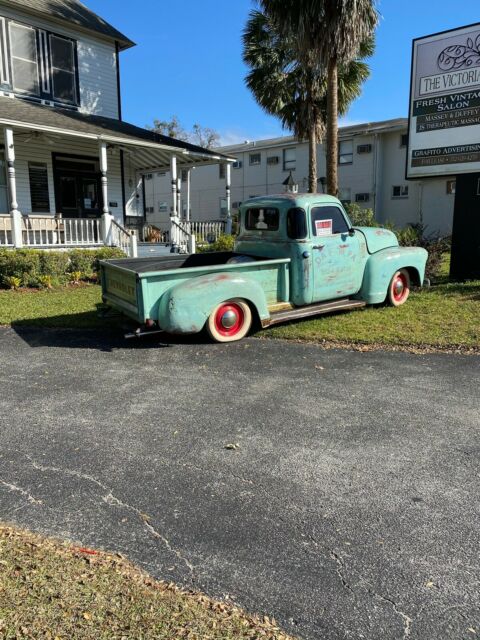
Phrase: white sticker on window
(323, 227)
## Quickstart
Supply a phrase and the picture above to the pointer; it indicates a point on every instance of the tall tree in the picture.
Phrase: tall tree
(201, 136)
(329, 34)
(287, 87)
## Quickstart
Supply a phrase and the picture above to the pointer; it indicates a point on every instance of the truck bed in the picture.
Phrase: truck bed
(136, 285)
(153, 264)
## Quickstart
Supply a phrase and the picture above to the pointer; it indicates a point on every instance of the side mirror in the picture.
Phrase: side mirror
(351, 232)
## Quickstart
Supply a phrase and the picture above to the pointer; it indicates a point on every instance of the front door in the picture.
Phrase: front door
(465, 262)
(336, 254)
(78, 189)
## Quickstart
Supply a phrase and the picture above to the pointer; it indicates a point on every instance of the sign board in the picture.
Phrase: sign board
(323, 227)
(444, 116)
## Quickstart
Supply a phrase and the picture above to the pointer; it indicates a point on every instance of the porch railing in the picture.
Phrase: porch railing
(124, 239)
(6, 239)
(206, 231)
(45, 233)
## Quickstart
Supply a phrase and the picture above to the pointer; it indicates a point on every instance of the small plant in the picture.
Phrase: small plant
(45, 281)
(74, 277)
(13, 282)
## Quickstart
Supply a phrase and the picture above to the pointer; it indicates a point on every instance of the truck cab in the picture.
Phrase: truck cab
(328, 255)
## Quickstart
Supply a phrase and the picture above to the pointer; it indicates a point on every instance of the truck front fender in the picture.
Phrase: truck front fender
(185, 307)
(381, 267)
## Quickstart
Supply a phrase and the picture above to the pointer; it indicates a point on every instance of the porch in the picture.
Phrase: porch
(73, 180)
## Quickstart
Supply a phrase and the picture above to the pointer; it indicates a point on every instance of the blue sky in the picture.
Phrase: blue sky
(188, 61)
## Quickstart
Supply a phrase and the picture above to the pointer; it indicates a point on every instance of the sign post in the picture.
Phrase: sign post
(444, 130)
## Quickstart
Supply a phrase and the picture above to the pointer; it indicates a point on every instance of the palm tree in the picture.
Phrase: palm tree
(329, 34)
(286, 87)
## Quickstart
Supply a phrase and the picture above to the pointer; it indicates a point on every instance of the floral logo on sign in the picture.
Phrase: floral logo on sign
(459, 56)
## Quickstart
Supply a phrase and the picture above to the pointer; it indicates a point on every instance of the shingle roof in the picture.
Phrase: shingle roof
(15, 110)
(72, 11)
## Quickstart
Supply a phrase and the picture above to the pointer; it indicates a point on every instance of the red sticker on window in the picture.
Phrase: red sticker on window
(323, 227)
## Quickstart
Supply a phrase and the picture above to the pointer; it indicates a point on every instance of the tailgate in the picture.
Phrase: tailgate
(119, 288)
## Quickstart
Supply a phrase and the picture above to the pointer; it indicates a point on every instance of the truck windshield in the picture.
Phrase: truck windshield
(262, 219)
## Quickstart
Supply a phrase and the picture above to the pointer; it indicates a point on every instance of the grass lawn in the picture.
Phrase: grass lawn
(51, 590)
(446, 316)
(67, 307)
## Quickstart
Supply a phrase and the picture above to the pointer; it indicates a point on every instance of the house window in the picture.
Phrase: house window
(39, 195)
(148, 176)
(400, 191)
(345, 195)
(23, 44)
(255, 158)
(221, 171)
(289, 159)
(345, 152)
(62, 55)
(237, 164)
(362, 197)
(162, 207)
(451, 185)
(223, 207)
(404, 140)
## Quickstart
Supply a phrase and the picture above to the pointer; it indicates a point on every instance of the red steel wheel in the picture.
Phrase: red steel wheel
(229, 321)
(399, 288)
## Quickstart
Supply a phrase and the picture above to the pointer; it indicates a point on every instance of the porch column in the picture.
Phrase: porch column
(106, 217)
(228, 197)
(188, 195)
(179, 197)
(15, 214)
(174, 213)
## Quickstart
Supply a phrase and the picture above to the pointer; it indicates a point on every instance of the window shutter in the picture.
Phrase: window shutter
(39, 194)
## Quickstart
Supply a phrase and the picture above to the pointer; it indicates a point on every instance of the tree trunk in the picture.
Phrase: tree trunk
(312, 159)
(332, 128)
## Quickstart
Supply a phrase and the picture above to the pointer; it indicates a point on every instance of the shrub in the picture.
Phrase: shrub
(361, 217)
(37, 268)
(12, 282)
(223, 243)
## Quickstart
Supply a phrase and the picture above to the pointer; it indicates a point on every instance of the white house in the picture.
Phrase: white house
(372, 161)
(70, 167)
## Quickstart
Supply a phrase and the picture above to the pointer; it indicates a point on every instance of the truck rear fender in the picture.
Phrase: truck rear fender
(185, 307)
(381, 267)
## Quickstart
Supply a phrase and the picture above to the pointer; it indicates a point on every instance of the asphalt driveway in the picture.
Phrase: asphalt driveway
(350, 508)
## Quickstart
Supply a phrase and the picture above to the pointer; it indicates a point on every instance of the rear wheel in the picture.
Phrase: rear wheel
(229, 321)
(399, 288)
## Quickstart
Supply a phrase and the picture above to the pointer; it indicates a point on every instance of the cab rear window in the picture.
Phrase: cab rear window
(262, 219)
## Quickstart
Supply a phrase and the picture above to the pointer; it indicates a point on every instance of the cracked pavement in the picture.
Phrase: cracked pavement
(350, 508)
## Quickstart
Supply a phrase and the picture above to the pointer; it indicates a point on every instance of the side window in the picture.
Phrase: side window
(328, 220)
(262, 218)
(296, 224)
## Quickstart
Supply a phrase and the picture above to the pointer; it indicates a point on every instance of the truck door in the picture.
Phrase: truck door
(338, 256)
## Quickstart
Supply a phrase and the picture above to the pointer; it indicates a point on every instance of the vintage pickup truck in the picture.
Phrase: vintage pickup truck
(295, 256)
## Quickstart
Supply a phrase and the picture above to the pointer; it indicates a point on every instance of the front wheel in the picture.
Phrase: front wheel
(399, 288)
(229, 321)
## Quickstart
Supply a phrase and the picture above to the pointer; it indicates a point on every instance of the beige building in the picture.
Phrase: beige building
(372, 161)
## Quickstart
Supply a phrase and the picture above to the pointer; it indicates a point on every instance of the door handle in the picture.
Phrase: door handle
(318, 246)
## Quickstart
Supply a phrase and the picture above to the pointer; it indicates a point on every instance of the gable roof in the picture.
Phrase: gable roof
(28, 115)
(73, 12)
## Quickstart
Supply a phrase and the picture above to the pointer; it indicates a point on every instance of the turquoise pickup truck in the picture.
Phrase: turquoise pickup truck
(295, 256)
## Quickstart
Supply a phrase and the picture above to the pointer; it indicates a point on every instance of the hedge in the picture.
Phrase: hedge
(36, 268)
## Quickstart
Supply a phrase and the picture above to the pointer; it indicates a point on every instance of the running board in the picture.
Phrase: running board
(313, 310)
